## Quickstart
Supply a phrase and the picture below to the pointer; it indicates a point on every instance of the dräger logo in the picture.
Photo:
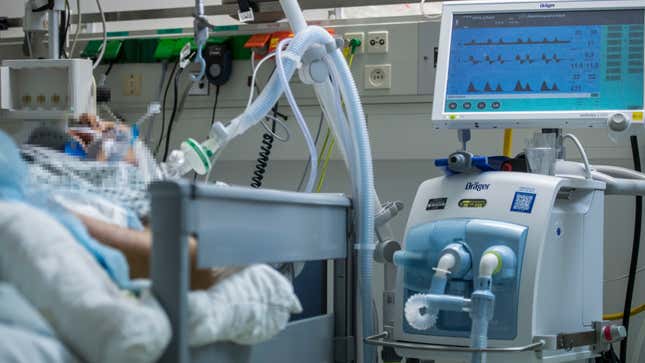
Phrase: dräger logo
(477, 186)
(547, 6)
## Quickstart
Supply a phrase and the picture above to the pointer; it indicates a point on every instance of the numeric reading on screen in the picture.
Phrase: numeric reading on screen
(546, 61)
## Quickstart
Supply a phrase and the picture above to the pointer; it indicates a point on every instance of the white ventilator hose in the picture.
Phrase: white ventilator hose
(365, 187)
(254, 77)
(78, 28)
(361, 151)
(329, 94)
(635, 185)
(99, 58)
(311, 145)
(619, 186)
(618, 172)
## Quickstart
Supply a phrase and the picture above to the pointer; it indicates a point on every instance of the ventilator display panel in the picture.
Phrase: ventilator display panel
(546, 61)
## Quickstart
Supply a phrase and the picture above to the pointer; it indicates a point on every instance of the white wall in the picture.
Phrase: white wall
(15, 8)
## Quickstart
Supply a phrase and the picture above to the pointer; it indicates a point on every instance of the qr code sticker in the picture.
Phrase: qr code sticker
(523, 202)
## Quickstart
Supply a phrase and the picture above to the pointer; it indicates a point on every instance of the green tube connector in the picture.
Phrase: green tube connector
(354, 44)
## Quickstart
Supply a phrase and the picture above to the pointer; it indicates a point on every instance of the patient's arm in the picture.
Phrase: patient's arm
(137, 248)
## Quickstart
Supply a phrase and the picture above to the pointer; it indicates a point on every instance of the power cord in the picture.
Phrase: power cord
(78, 27)
(99, 58)
(263, 159)
(177, 107)
(633, 265)
(608, 356)
(215, 106)
(163, 107)
(266, 145)
(64, 29)
(175, 89)
(268, 137)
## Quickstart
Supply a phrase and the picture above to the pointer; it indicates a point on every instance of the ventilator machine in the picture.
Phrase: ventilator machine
(497, 264)
(502, 257)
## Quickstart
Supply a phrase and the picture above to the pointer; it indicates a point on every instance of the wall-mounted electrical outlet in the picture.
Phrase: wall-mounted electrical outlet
(378, 76)
(132, 84)
(378, 42)
(357, 35)
(199, 88)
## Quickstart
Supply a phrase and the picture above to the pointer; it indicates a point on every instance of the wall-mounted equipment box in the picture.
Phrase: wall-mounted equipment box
(46, 89)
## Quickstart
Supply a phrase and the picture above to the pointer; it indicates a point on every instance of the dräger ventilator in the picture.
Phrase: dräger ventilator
(502, 257)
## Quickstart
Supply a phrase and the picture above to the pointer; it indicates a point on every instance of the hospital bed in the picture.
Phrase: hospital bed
(239, 223)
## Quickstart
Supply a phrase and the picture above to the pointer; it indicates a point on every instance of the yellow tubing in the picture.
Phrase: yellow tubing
(323, 172)
(508, 143)
(618, 316)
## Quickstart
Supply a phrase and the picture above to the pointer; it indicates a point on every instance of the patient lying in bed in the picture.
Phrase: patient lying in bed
(71, 273)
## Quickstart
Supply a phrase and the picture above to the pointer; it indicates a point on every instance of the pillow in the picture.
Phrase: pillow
(68, 287)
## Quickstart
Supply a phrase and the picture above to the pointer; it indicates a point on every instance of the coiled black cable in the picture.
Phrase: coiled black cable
(265, 151)
(266, 145)
(263, 159)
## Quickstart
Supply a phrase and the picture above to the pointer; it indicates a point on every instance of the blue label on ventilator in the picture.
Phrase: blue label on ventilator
(523, 202)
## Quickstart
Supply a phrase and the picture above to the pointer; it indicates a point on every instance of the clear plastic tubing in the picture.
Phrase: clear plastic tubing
(364, 184)
(328, 94)
(313, 151)
(274, 89)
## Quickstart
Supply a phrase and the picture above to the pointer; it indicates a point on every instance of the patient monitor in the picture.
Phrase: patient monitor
(508, 266)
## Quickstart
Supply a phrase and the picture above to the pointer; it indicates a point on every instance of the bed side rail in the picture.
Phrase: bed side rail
(239, 226)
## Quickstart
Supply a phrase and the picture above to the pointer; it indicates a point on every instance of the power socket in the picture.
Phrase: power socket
(378, 76)
(378, 41)
(357, 35)
(132, 85)
(199, 88)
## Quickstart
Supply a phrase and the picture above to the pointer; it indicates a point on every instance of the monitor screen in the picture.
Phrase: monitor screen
(546, 61)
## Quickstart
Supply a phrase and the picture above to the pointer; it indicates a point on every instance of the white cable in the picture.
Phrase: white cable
(78, 29)
(282, 124)
(94, 94)
(582, 152)
(313, 152)
(255, 73)
(104, 44)
(624, 277)
(252, 61)
(426, 15)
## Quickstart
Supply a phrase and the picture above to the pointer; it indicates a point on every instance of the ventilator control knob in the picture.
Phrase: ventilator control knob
(618, 122)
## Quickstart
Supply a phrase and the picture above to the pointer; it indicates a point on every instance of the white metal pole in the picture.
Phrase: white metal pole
(54, 47)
